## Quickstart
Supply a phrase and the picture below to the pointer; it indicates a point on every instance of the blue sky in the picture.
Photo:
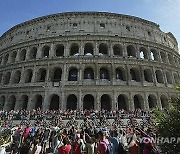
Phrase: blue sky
(166, 13)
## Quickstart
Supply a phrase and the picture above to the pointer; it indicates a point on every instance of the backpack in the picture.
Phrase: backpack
(109, 148)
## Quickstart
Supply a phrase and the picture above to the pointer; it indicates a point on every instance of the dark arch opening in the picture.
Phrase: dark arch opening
(74, 50)
(137, 102)
(38, 103)
(7, 78)
(88, 49)
(104, 74)
(148, 75)
(135, 75)
(59, 50)
(159, 76)
(122, 102)
(33, 53)
(24, 101)
(17, 77)
(117, 49)
(42, 76)
(28, 76)
(57, 74)
(131, 51)
(105, 102)
(46, 51)
(22, 55)
(73, 75)
(54, 104)
(164, 102)
(103, 49)
(152, 101)
(12, 102)
(89, 73)
(88, 102)
(71, 102)
(120, 75)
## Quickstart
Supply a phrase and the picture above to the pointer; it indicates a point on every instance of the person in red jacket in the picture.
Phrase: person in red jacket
(65, 148)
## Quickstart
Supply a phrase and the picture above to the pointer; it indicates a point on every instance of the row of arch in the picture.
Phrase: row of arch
(89, 50)
(120, 73)
(88, 102)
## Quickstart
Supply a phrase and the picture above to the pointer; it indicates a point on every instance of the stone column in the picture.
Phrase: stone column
(66, 49)
(146, 102)
(46, 100)
(39, 52)
(81, 49)
(28, 53)
(159, 101)
(80, 101)
(17, 55)
(22, 75)
(30, 105)
(34, 74)
(52, 50)
(63, 102)
(110, 48)
(98, 102)
(96, 49)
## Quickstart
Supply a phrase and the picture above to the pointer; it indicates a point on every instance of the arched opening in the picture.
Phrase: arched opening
(103, 49)
(13, 57)
(17, 77)
(41, 76)
(131, 52)
(154, 55)
(117, 50)
(176, 78)
(74, 50)
(59, 50)
(104, 74)
(57, 75)
(38, 102)
(28, 76)
(7, 78)
(168, 77)
(120, 74)
(88, 49)
(138, 102)
(22, 55)
(135, 75)
(89, 73)
(71, 102)
(54, 104)
(2, 102)
(152, 101)
(11, 103)
(45, 52)
(122, 102)
(105, 102)
(164, 102)
(163, 57)
(143, 53)
(23, 102)
(159, 76)
(171, 59)
(148, 75)
(88, 102)
(6, 59)
(33, 53)
(73, 74)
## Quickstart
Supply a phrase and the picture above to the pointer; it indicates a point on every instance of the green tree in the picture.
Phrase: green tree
(168, 125)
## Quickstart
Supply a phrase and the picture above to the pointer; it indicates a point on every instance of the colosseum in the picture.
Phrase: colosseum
(87, 60)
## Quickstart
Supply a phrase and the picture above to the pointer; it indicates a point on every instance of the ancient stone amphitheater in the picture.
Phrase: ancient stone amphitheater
(87, 60)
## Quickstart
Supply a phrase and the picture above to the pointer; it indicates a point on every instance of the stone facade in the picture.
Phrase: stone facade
(83, 60)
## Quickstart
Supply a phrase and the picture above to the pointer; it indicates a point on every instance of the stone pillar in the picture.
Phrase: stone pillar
(22, 75)
(114, 102)
(81, 49)
(67, 49)
(131, 103)
(128, 74)
(110, 52)
(17, 55)
(146, 102)
(159, 101)
(63, 101)
(96, 49)
(39, 52)
(154, 76)
(34, 74)
(30, 105)
(80, 101)
(98, 102)
(46, 101)
(52, 50)
(124, 47)
(28, 53)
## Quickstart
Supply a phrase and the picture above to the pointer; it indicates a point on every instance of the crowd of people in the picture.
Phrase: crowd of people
(36, 139)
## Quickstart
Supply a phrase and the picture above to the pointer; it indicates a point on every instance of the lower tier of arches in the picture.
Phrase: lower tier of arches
(77, 99)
